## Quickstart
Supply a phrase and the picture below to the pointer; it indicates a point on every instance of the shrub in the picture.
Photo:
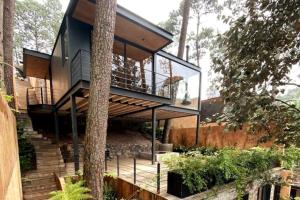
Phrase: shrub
(26, 151)
(200, 171)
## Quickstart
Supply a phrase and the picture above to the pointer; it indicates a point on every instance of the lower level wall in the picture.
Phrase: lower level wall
(214, 135)
(10, 176)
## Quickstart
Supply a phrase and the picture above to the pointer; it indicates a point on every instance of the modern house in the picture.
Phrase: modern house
(147, 83)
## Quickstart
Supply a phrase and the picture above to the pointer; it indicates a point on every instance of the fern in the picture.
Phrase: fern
(72, 191)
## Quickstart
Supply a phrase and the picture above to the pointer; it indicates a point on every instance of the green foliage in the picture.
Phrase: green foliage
(145, 128)
(207, 151)
(201, 172)
(254, 59)
(8, 98)
(26, 151)
(108, 192)
(36, 25)
(72, 191)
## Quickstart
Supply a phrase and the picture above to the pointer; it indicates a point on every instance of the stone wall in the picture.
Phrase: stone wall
(10, 176)
(215, 136)
(128, 150)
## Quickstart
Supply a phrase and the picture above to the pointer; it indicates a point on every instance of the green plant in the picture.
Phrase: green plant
(72, 191)
(191, 150)
(27, 154)
(109, 192)
(200, 172)
(8, 98)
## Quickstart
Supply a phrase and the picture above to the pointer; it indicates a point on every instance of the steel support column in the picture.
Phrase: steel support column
(75, 133)
(199, 110)
(56, 125)
(197, 129)
(153, 134)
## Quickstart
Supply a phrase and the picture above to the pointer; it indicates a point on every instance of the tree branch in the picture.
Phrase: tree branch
(286, 83)
(285, 103)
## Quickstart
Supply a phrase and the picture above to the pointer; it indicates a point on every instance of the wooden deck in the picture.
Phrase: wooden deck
(146, 174)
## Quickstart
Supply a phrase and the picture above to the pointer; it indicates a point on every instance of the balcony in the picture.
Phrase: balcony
(39, 100)
(131, 76)
(160, 74)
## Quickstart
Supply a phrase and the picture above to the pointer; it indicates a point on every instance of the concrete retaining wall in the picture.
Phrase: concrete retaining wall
(10, 176)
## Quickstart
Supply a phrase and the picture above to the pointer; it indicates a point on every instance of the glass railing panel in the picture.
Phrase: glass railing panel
(184, 82)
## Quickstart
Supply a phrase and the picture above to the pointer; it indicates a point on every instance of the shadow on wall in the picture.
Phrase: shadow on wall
(214, 135)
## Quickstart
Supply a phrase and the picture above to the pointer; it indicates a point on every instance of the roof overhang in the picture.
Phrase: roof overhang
(129, 26)
(36, 64)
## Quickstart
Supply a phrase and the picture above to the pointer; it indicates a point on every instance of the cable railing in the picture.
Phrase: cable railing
(38, 96)
(126, 76)
(147, 176)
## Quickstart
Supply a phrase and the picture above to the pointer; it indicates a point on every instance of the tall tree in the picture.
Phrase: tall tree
(184, 26)
(1, 46)
(254, 59)
(37, 24)
(181, 47)
(8, 32)
(95, 138)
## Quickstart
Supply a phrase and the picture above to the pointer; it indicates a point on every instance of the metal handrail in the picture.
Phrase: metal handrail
(40, 95)
(118, 71)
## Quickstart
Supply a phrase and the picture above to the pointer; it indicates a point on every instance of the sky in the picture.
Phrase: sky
(153, 10)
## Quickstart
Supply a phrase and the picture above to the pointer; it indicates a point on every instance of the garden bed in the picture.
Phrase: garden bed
(194, 171)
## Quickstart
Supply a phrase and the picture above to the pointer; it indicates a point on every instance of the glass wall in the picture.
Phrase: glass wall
(132, 68)
(181, 82)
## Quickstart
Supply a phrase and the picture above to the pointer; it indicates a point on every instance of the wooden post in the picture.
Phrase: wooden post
(75, 133)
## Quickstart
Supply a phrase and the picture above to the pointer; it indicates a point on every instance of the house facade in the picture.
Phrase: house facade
(147, 83)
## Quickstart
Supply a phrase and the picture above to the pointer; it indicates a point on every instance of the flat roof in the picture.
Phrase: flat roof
(36, 64)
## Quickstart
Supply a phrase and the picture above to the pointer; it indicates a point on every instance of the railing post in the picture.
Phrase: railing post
(42, 95)
(153, 85)
(27, 96)
(80, 60)
(158, 178)
(118, 165)
(134, 170)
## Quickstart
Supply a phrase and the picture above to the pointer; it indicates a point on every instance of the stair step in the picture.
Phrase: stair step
(37, 196)
(38, 181)
(39, 188)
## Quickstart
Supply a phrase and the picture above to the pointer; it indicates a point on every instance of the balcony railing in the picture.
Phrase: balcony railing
(38, 96)
(134, 78)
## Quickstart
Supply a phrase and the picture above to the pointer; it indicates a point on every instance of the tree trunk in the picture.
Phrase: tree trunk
(184, 25)
(8, 33)
(181, 47)
(101, 64)
(1, 46)
(197, 40)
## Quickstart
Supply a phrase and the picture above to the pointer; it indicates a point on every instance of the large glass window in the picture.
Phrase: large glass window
(139, 69)
(132, 68)
(181, 82)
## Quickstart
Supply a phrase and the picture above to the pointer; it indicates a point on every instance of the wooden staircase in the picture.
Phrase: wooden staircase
(37, 184)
